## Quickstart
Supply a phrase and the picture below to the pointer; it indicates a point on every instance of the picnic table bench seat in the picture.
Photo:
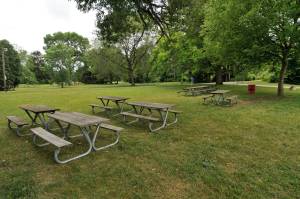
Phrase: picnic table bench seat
(18, 122)
(175, 112)
(207, 99)
(110, 127)
(231, 99)
(150, 119)
(51, 139)
(138, 116)
(109, 108)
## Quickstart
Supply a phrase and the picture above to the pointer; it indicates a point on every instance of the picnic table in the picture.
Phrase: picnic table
(196, 90)
(35, 112)
(162, 109)
(105, 101)
(84, 122)
(219, 96)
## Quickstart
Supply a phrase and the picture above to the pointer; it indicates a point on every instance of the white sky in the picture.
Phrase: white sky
(25, 22)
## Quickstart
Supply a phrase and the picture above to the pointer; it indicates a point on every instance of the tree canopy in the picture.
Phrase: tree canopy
(12, 65)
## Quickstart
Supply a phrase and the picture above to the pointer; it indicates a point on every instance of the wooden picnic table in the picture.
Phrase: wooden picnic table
(219, 96)
(196, 90)
(119, 101)
(35, 112)
(84, 122)
(195, 87)
(162, 109)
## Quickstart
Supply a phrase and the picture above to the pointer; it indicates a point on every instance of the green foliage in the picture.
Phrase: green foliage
(12, 65)
(251, 32)
(105, 64)
(113, 15)
(175, 56)
(36, 62)
(59, 57)
(64, 55)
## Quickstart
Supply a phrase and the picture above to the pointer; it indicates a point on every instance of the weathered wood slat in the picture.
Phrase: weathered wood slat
(77, 119)
(151, 105)
(140, 116)
(111, 127)
(38, 108)
(49, 137)
(113, 98)
(175, 111)
(17, 120)
(100, 106)
(233, 97)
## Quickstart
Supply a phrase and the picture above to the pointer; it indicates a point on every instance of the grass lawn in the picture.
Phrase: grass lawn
(250, 150)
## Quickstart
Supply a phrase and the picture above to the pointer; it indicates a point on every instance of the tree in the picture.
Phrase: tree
(160, 13)
(75, 47)
(12, 65)
(124, 29)
(105, 64)
(38, 67)
(249, 32)
(175, 57)
(27, 76)
(60, 58)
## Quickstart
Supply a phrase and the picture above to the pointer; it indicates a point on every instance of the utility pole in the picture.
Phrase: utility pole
(3, 68)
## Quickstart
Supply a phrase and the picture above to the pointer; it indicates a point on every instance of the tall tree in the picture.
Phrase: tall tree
(59, 57)
(161, 13)
(253, 31)
(38, 66)
(12, 65)
(75, 45)
(105, 63)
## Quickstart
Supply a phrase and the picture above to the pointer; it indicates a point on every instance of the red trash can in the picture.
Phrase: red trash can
(251, 89)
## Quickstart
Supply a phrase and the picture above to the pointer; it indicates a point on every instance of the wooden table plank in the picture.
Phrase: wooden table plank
(151, 105)
(220, 91)
(196, 87)
(77, 119)
(113, 98)
(38, 108)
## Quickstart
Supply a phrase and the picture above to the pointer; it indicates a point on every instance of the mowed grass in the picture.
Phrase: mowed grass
(247, 151)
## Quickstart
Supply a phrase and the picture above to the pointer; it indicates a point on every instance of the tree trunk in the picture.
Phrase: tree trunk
(131, 76)
(62, 84)
(284, 65)
(219, 76)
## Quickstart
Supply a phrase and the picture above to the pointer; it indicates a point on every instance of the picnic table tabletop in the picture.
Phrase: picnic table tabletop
(151, 105)
(77, 119)
(113, 98)
(38, 108)
(220, 92)
(196, 87)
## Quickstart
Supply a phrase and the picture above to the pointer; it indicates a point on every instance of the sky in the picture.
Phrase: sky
(25, 23)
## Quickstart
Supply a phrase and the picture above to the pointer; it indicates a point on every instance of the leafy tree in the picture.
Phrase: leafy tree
(60, 58)
(251, 32)
(105, 64)
(37, 65)
(12, 65)
(160, 13)
(75, 45)
(27, 76)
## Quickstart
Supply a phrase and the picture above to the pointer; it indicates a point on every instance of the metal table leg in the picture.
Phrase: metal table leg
(85, 132)
(164, 118)
(117, 134)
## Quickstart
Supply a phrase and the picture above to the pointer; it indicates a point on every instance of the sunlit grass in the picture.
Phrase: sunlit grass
(247, 151)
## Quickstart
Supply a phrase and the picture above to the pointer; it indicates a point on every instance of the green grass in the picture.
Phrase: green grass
(247, 151)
